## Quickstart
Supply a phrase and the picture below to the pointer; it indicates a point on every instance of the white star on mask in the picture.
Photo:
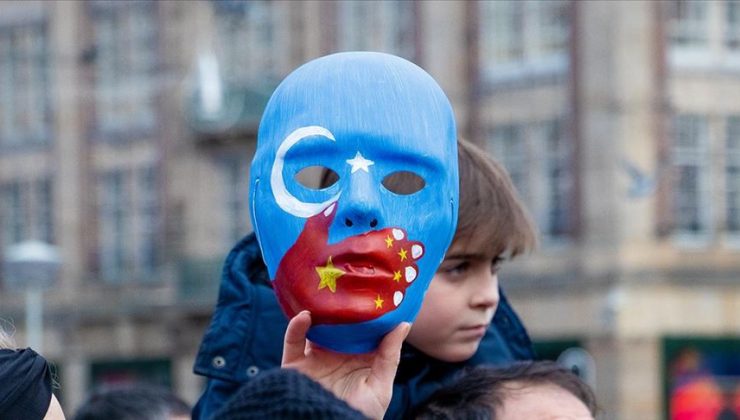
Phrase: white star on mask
(359, 162)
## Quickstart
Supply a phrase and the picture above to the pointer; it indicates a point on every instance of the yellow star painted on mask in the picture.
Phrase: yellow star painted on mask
(329, 275)
(396, 276)
(378, 302)
(402, 254)
(388, 241)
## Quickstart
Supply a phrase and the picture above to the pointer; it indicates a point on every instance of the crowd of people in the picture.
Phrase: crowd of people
(466, 354)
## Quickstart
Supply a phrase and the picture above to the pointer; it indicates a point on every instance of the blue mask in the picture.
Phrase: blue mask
(358, 254)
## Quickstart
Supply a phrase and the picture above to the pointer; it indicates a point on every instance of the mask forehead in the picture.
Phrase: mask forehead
(368, 99)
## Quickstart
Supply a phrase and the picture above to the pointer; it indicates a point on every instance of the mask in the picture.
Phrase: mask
(358, 254)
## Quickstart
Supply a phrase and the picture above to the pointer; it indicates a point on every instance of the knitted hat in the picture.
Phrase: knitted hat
(286, 394)
(25, 385)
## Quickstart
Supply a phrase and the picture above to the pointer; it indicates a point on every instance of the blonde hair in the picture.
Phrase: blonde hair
(6, 339)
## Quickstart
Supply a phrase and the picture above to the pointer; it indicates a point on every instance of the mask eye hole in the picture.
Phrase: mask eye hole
(328, 178)
(403, 182)
(316, 177)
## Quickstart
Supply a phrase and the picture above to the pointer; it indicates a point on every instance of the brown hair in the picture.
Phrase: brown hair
(492, 219)
(480, 391)
(491, 216)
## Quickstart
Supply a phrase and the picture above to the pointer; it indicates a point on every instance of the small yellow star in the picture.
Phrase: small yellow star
(388, 241)
(378, 302)
(402, 254)
(396, 276)
(329, 275)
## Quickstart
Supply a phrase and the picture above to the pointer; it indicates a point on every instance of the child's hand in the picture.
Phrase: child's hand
(364, 381)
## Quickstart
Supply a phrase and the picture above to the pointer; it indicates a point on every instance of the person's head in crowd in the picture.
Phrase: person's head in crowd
(524, 390)
(493, 226)
(133, 402)
(25, 384)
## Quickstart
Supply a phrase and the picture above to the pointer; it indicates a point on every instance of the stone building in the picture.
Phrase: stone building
(126, 132)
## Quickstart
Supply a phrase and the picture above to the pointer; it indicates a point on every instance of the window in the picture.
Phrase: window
(247, 40)
(128, 215)
(732, 28)
(558, 175)
(386, 26)
(14, 210)
(125, 61)
(113, 216)
(703, 34)
(45, 210)
(537, 155)
(24, 85)
(26, 211)
(521, 37)
(148, 214)
(691, 183)
(689, 24)
(236, 175)
(508, 147)
(732, 174)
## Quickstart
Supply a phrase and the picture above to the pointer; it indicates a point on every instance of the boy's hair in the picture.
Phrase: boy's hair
(479, 392)
(130, 402)
(492, 219)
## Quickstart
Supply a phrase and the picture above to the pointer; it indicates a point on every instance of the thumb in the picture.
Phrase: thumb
(295, 337)
(388, 355)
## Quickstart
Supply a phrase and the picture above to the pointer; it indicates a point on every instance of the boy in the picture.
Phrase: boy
(454, 329)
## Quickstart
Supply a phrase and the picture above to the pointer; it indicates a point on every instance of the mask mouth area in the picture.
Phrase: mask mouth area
(360, 264)
(365, 269)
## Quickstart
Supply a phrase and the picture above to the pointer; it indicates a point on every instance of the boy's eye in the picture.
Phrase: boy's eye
(456, 269)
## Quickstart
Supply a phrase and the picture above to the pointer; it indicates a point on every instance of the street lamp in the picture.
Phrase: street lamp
(32, 267)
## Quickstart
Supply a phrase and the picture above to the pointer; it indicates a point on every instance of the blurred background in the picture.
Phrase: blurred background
(127, 129)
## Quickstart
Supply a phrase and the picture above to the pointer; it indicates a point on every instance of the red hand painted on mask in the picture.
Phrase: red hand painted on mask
(358, 279)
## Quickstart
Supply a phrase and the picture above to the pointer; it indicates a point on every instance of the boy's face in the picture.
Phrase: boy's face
(458, 306)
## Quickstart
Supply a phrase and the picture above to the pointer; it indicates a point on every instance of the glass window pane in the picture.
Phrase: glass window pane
(691, 172)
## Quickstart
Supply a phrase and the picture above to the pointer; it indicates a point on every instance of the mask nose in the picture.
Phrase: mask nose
(360, 206)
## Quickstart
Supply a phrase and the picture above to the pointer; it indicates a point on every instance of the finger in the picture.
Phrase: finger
(387, 357)
(295, 337)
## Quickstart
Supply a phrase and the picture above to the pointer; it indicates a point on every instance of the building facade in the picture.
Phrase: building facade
(126, 132)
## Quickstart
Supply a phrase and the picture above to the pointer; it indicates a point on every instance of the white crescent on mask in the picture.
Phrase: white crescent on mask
(285, 199)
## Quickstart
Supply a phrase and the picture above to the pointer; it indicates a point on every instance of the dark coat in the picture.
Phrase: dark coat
(245, 338)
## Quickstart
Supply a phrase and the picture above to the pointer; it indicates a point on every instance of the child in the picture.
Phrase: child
(454, 329)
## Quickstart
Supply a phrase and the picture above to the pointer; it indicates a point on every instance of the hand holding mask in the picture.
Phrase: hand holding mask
(358, 254)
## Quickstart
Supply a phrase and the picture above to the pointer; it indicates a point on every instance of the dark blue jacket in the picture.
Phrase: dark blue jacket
(245, 338)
